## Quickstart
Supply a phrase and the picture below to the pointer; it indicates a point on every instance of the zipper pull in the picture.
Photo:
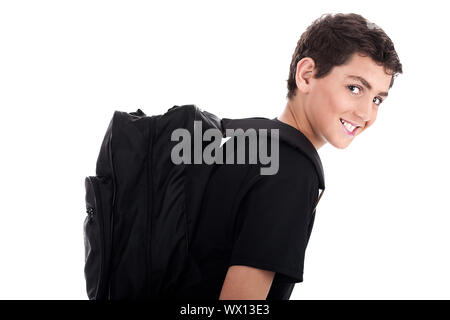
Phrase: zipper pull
(90, 213)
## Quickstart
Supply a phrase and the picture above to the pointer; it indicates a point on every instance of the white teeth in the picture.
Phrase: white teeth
(348, 125)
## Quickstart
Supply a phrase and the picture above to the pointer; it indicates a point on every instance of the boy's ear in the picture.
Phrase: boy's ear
(304, 74)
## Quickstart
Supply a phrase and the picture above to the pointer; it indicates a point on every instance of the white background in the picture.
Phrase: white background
(382, 226)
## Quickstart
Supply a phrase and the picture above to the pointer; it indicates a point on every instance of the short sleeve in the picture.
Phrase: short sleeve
(272, 228)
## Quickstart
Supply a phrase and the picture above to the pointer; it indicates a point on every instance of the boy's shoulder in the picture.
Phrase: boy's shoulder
(296, 154)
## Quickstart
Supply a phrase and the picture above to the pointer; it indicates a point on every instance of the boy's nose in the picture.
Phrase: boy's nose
(363, 111)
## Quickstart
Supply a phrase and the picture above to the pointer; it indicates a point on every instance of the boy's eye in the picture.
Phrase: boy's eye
(354, 89)
(377, 101)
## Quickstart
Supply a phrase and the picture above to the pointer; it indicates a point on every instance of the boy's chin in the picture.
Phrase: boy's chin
(340, 144)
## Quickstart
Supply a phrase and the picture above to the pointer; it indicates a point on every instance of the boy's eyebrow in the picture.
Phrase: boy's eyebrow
(366, 84)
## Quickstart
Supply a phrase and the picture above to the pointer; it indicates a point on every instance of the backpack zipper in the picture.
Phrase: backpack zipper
(111, 163)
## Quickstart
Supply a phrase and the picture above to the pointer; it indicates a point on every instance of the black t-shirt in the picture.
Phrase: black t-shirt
(263, 221)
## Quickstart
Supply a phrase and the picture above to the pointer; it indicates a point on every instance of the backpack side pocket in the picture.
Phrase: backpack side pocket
(97, 236)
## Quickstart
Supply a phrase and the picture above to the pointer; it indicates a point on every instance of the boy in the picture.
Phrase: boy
(253, 232)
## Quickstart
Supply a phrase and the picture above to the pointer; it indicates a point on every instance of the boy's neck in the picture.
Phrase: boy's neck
(295, 116)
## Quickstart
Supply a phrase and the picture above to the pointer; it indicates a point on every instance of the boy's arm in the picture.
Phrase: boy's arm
(246, 283)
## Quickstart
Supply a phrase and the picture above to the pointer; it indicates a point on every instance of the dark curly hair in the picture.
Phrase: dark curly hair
(332, 39)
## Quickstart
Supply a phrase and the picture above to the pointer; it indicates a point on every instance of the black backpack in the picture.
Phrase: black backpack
(141, 206)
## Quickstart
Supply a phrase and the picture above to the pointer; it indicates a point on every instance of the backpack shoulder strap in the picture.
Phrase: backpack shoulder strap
(288, 134)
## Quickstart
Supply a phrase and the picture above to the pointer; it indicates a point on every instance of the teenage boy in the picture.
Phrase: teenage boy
(251, 238)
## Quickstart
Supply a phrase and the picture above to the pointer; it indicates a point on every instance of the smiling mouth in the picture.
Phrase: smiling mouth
(349, 129)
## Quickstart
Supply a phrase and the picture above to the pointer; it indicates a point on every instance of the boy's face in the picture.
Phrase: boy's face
(351, 93)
